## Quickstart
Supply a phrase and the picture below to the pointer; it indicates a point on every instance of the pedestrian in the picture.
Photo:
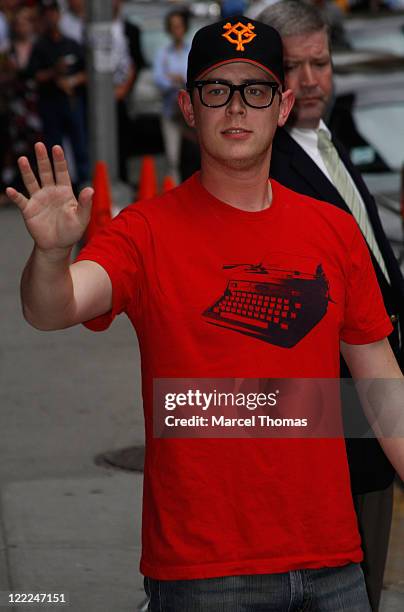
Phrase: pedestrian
(73, 20)
(72, 25)
(58, 66)
(229, 523)
(124, 71)
(25, 124)
(169, 70)
(298, 161)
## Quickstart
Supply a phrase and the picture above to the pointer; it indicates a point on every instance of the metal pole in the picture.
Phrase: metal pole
(401, 255)
(101, 102)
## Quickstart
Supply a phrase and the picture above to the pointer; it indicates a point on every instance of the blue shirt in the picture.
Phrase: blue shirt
(170, 59)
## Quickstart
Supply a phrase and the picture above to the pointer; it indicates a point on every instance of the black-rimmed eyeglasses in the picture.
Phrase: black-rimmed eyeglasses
(216, 93)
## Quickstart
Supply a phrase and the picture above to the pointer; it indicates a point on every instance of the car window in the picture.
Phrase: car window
(383, 128)
(381, 34)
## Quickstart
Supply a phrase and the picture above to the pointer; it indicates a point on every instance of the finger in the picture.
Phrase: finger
(60, 166)
(44, 165)
(28, 176)
(17, 197)
(85, 201)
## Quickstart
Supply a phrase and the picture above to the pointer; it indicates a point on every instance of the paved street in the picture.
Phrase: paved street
(66, 524)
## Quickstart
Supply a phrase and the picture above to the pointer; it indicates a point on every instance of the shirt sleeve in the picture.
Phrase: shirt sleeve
(160, 70)
(119, 249)
(365, 317)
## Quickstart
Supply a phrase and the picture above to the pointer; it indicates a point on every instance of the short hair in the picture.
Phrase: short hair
(293, 18)
(183, 13)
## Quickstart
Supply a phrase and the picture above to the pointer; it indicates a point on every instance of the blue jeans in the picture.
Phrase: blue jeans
(329, 589)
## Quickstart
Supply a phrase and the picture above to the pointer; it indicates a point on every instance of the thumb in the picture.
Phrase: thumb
(85, 202)
(17, 198)
(85, 197)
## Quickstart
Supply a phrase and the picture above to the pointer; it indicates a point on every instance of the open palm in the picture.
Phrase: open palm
(53, 216)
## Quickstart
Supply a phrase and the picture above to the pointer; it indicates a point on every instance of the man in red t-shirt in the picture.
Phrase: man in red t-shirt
(227, 277)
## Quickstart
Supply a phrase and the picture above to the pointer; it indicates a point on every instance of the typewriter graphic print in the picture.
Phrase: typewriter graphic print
(272, 304)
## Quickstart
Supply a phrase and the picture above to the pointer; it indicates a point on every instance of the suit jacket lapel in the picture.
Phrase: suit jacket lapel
(308, 170)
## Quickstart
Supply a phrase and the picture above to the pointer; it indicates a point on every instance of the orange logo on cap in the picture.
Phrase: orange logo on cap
(243, 33)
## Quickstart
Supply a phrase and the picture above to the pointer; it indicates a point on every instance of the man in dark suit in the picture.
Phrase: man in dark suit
(307, 159)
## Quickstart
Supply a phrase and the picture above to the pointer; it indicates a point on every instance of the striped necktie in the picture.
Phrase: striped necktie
(342, 182)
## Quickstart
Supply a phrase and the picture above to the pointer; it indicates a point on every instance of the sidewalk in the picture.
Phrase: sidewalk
(66, 524)
(77, 536)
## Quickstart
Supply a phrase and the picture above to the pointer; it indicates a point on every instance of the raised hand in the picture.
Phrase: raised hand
(53, 216)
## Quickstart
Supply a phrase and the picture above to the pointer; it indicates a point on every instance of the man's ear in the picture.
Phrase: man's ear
(186, 106)
(286, 105)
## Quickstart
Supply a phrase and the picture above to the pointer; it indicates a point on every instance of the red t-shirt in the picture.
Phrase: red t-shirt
(217, 507)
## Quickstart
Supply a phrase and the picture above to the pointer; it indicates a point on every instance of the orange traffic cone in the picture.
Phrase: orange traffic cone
(148, 179)
(168, 183)
(101, 212)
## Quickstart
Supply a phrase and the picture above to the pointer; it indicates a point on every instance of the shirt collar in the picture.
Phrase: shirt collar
(308, 134)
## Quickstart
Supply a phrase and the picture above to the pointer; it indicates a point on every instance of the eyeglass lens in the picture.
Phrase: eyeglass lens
(257, 95)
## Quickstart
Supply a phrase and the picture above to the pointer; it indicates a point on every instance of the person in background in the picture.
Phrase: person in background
(23, 36)
(72, 21)
(229, 8)
(57, 64)
(133, 34)
(7, 10)
(123, 78)
(72, 24)
(4, 31)
(170, 68)
(5, 143)
(25, 123)
(308, 159)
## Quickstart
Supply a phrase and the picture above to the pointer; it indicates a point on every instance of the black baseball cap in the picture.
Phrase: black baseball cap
(236, 39)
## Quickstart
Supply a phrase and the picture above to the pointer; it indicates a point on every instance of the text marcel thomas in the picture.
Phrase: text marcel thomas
(205, 400)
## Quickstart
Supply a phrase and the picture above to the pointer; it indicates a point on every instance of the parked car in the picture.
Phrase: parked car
(381, 33)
